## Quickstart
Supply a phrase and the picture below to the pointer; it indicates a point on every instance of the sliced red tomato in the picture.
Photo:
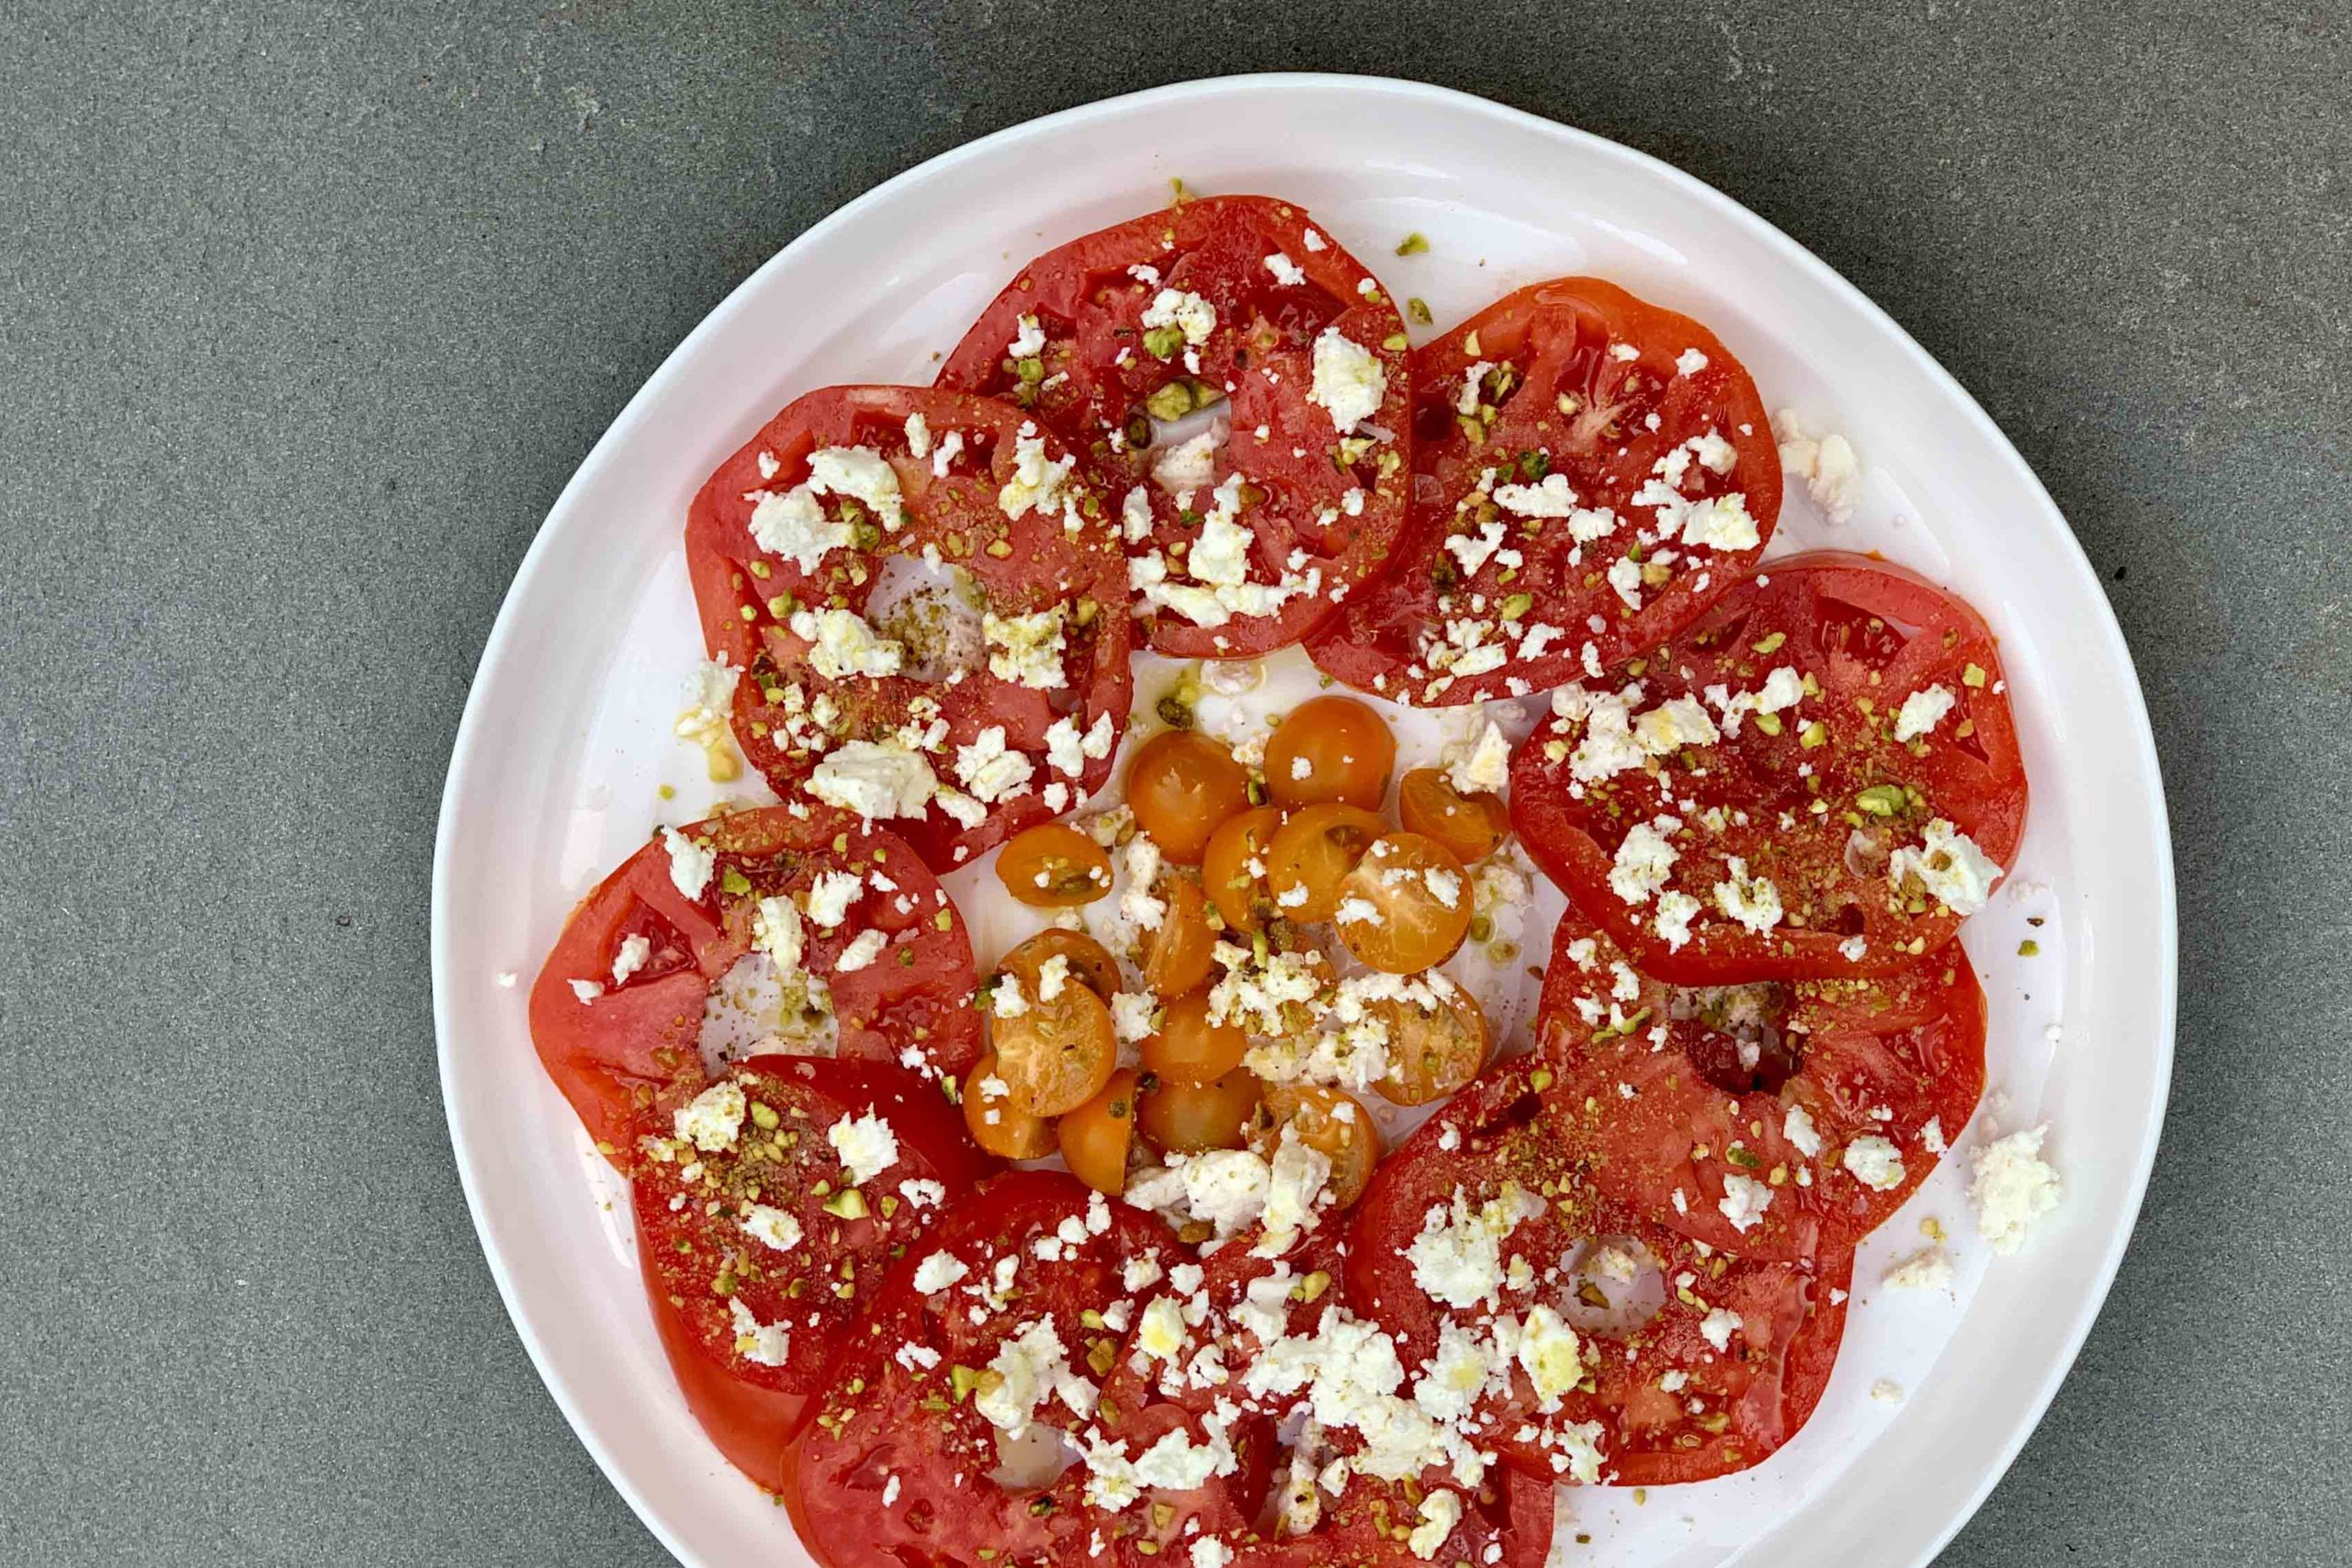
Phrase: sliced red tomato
(618, 1009)
(1779, 1119)
(1506, 1523)
(920, 589)
(1819, 777)
(762, 1243)
(1658, 1360)
(1282, 366)
(998, 1327)
(1590, 470)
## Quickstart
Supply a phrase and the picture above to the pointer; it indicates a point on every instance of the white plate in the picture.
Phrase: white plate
(566, 739)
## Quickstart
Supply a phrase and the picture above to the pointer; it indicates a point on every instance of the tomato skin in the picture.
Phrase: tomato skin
(1096, 371)
(1054, 866)
(1558, 338)
(1432, 1055)
(1181, 786)
(739, 589)
(1241, 895)
(1504, 1129)
(1330, 748)
(1057, 1055)
(1471, 826)
(1814, 615)
(1912, 1045)
(1506, 1524)
(615, 1057)
(751, 1409)
(1095, 1139)
(1314, 849)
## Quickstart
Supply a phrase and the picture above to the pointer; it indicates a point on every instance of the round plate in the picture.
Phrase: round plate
(566, 740)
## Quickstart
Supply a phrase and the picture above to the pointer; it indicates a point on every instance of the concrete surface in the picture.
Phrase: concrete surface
(307, 311)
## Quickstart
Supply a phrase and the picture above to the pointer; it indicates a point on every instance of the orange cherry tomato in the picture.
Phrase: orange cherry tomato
(1186, 1118)
(1329, 1121)
(1095, 1137)
(1054, 866)
(1188, 1048)
(1433, 1052)
(1315, 850)
(1472, 826)
(1233, 868)
(995, 1125)
(1176, 956)
(1330, 748)
(1058, 1052)
(1181, 786)
(1091, 963)
(1406, 907)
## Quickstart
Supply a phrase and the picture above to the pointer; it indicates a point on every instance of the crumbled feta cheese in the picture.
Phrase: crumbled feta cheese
(1689, 362)
(875, 779)
(1037, 481)
(711, 1120)
(1644, 860)
(830, 896)
(1948, 863)
(635, 951)
(1186, 312)
(1287, 273)
(587, 990)
(1350, 383)
(991, 770)
(1719, 1325)
(763, 1344)
(2013, 1187)
(1753, 901)
(772, 1226)
(794, 527)
(692, 864)
(866, 1145)
(1026, 649)
(861, 952)
(1876, 1163)
(1927, 1270)
(1743, 1201)
(1486, 768)
(938, 1271)
(1798, 1128)
(1922, 711)
(1441, 1511)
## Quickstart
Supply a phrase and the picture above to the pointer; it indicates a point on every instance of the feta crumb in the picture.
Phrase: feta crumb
(1350, 383)
(1876, 1163)
(2012, 1188)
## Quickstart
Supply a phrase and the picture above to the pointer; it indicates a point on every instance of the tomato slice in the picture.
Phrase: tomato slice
(1218, 314)
(901, 1461)
(1818, 778)
(628, 1043)
(1590, 469)
(1659, 1383)
(798, 1241)
(1819, 1105)
(919, 591)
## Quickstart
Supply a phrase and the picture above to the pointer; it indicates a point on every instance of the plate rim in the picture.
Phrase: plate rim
(506, 627)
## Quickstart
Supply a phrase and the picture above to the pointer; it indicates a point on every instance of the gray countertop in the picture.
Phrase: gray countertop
(307, 310)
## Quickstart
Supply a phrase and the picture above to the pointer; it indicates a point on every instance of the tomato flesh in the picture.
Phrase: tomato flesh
(1472, 826)
(1098, 359)
(1181, 786)
(1052, 866)
(1570, 462)
(1330, 748)
(1792, 834)
(781, 572)
(617, 1053)
(1776, 1081)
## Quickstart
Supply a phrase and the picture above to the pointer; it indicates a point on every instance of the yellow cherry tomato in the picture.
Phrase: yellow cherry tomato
(1233, 867)
(1095, 1137)
(1330, 748)
(1181, 786)
(995, 1125)
(1433, 1052)
(1187, 1118)
(1314, 852)
(1406, 905)
(1177, 954)
(1054, 866)
(1328, 1121)
(1188, 1048)
(1472, 826)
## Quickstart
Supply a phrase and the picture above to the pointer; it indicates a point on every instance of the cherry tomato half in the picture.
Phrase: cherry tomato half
(1095, 1137)
(1406, 905)
(993, 1121)
(1329, 1121)
(1314, 850)
(1184, 1118)
(1472, 826)
(1330, 748)
(1091, 963)
(1181, 786)
(1233, 868)
(1177, 954)
(1058, 1052)
(1433, 1052)
(1187, 1048)
(1054, 866)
